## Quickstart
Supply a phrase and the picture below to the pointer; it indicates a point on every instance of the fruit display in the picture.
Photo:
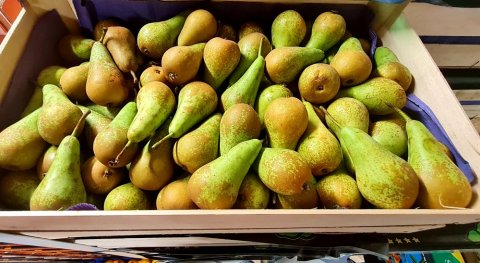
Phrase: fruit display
(195, 113)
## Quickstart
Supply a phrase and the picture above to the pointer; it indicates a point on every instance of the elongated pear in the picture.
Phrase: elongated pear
(121, 44)
(253, 194)
(155, 38)
(21, 144)
(268, 95)
(328, 28)
(288, 29)
(62, 186)
(216, 184)
(58, 116)
(200, 26)
(384, 179)
(442, 184)
(285, 64)
(352, 63)
(376, 93)
(200, 146)
(95, 123)
(74, 81)
(221, 57)
(388, 66)
(181, 63)
(318, 146)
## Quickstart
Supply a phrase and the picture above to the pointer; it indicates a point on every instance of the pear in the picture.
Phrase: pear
(106, 84)
(282, 170)
(286, 120)
(153, 73)
(306, 199)
(121, 44)
(181, 63)
(376, 93)
(348, 112)
(388, 66)
(50, 75)
(99, 178)
(442, 183)
(95, 123)
(221, 57)
(318, 146)
(352, 63)
(74, 81)
(288, 29)
(200, 146)
(109, 142)
(365, 45)
(216, 184)
(155, 38)
(62, 186)
(200, 26)
(58, 116)
(339, 190)
(21, 144)
(286, 63)
(109, 112)
(384, 179)
(46, 161)
(328, 28)
(75, 49)
(34, 102)
(126, 197)
(249, 50)
(239, 123)
(16, 188)
(319, 83)
(253, 194)
(174, 196)
(390, 133)
(246, 88)
(248, 28)
(152, 169)
(268, 95)
(106, 23)
(226, 31)
(196, 101)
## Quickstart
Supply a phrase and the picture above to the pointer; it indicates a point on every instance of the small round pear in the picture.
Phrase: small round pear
(126, 197)
(153, 73)
(390, 133)
(319, 83)
(253, 194)
(306, 199)
(174, 196)
(339, 190)
(99, 178)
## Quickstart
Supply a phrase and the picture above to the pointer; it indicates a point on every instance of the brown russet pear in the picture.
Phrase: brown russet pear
(319, 83)
(288, 29)
(153, 73)
(253, 194)
(339, 190)
(388, 66)
(390, 133)
(268, 95)
(21, 144)
(221, 57)
(74, 80)
(46, 161)
(174, 196)
(352, 63)
(282, 170)
(200, 26)
(16, 188)
(126, 197)
(58, 116)
(318, 146)
(216, 184)
(106, 84)
(99, 178)
(327, 29)
(62, 186)
(75, 49)
(306, 199)
(98, 29)
(95, 123)
(239, 123)
(286, 120)
(199, 146)
(442, 184)
(121, 44)
(181, 63)
(248, 28)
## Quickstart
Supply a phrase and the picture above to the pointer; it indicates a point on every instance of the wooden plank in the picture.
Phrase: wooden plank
(448, 55)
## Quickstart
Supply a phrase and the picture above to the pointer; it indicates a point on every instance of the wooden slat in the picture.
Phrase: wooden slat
(460, 56)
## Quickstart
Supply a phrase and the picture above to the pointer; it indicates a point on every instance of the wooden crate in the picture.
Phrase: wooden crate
(430, 86)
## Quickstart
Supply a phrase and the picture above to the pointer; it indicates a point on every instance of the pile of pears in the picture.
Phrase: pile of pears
(190, 114)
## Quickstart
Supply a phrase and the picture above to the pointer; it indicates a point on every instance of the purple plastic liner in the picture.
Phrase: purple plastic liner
(82, 207)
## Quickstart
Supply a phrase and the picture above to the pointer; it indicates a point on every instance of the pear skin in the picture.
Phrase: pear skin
(74, 81)
(109, 112)
(98, 29)
(327, 29)
(181, 63)
(226, 31)
(45, 161)
(16, 188)
(75, 49)
(388, 66)
(306, 199)
(348, 112)
(126, 197)
(221, 57)
(248, 28)
(339, 190)
(95, 123)
(153, 73)
(288, 29)
(99, 178)
(253, 194)
(50, 75)
(390, 133)
(352, 63)
(268, 95)
(174, 196)
(319, 83)
(200, 26)
(121, 44)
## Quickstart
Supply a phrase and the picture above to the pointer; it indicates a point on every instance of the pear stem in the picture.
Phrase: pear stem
(107, 172)
(120, 154)
(104, 32)
(155, 145)
(335, 122)
(135, 79)
(399, 111)
(80, 122)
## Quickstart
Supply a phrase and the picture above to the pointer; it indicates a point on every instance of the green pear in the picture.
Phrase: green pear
(50, 75)
(126, 197)
(74, 81)
(339, 190)
(182, 63)
(286, 63)
(200, 26)
(109, 142)
(109, 112)
(46, 161)
(75, 49)
(58, 116)
(384, 179)
(216, 184)
(328, 28)
(348, 112)
(221, 57)
(288, 29)
(442, 183)
(306, 199)
(95, 123)
(286, 120)
(376, 93)
(390, 133)
(352, 63)
(249, 27)
(62, 186)
(253, 194)
(318, 146)
(388, 66)
(268, 95)
(152, 169)
(16, 188)
(249, 50)
(121, 44)
(200, 146)
(239, 123)
(21, 144)
(282, 170)
(155, 38)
